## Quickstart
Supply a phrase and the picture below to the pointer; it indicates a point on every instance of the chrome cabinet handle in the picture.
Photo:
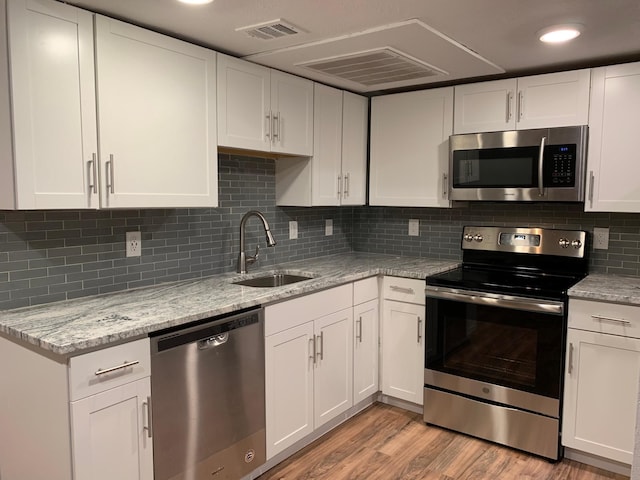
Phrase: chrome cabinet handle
(541, 168)
(520, 105)
(321, 349)
(611, 319)
(339, 185)
(276, 131)
(509, 102)
(359, 329)
(313, 349)
(113, 369)
(268, 122)
(419, 329)
(396, 288)
(93, 182)
(346, 185)
(110, 176)
(570, 366)
(445, 193)
(149, 426)
(591, 180)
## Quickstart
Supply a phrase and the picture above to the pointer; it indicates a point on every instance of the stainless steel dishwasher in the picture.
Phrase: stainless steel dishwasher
(207, 387)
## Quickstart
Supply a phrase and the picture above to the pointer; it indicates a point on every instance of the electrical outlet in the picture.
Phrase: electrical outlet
(293, 230)
(328, 226)
(133, 244)
(414, 227)
(601, 238)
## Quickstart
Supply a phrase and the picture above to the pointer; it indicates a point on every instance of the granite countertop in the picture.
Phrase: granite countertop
(608, 288)
(75, 326)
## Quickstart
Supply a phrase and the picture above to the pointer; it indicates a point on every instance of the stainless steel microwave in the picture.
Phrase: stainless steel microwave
(541, 165)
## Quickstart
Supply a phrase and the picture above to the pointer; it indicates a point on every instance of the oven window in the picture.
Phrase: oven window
(512, 348)
(496, 168)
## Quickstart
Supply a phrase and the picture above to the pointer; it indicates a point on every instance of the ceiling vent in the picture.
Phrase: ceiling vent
(270, 30)
(374, 67)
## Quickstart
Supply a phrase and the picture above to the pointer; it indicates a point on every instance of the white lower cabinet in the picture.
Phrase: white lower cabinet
(308, 364)
(366, 314)
(79, 418)
(403, 329)
(110, 434)
(601, 381)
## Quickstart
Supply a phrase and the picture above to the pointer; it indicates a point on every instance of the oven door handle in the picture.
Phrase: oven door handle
(495, 300)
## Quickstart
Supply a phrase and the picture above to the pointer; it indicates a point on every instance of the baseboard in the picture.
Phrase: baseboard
(598, 462)
(396, 402)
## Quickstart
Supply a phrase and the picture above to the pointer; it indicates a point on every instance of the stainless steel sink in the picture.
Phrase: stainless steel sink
(272, 280)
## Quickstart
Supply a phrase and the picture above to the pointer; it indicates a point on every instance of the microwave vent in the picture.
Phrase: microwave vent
(271, 30)
(374, 67)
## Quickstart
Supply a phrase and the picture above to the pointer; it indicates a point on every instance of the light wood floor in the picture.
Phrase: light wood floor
(388, 443)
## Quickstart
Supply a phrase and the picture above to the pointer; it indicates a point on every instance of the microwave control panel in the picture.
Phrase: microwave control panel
(560, 166)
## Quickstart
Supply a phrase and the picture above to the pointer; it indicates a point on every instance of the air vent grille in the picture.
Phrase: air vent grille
(270, 30)
(374, 67)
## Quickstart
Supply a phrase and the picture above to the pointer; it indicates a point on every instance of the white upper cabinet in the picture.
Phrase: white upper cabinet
(540, 101)
(53, 122)
(262, 109)
(156, 117)
(410, 148)
(612, 183)
(336, 173)
(152, 103)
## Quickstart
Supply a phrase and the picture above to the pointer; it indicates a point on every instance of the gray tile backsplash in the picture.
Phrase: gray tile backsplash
(47, 256)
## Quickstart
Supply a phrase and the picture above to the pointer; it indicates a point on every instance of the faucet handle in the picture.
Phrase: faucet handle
(252, 259)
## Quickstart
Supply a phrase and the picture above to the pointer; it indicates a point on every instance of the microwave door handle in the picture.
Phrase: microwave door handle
(541, 168)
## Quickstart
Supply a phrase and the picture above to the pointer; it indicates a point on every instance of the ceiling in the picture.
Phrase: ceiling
(417, 42)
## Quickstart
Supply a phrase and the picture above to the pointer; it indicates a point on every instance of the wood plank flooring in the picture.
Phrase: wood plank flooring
(388, 443)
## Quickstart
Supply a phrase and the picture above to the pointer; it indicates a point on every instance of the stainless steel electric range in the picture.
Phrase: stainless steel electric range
(496, 334)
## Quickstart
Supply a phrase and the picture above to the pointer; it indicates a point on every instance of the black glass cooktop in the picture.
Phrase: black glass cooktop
(506, 281)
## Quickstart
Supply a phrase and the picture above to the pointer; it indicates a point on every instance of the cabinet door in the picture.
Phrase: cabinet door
(365, 350)
(485, 107)
(355, 126)
(243, 104)
(554, 100)
(54, 112)
(326, 165)
(292, 111)
(333, 375)
(613, 144)
(157, 119)
(601, 394)
(410, 148)
(403, 351)
(109, 435)
(288, 387)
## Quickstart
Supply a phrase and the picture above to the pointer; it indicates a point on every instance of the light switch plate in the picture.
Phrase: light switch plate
(293, 230)
(414, 227)
(601, 238)
(328, 226)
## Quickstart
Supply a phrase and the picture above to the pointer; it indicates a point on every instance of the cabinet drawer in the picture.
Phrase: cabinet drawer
(101, 370)
(408, 290)
(365, 290)
(605, 317)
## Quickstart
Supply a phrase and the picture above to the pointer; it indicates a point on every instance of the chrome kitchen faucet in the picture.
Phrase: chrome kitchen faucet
(243, 258)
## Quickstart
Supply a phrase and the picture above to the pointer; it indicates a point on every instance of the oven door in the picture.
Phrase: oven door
(498, 348)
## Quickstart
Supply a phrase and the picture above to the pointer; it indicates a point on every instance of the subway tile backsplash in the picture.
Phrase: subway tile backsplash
(47, 256)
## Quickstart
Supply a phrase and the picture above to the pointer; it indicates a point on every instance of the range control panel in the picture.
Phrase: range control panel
(542, 241)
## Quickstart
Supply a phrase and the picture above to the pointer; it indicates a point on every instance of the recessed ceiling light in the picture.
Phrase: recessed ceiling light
(559, 33)
(195, 2)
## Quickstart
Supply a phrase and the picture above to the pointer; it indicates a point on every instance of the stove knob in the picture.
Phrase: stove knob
(564, 243)
(468, 237)
(478, 238)
(576, 244)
